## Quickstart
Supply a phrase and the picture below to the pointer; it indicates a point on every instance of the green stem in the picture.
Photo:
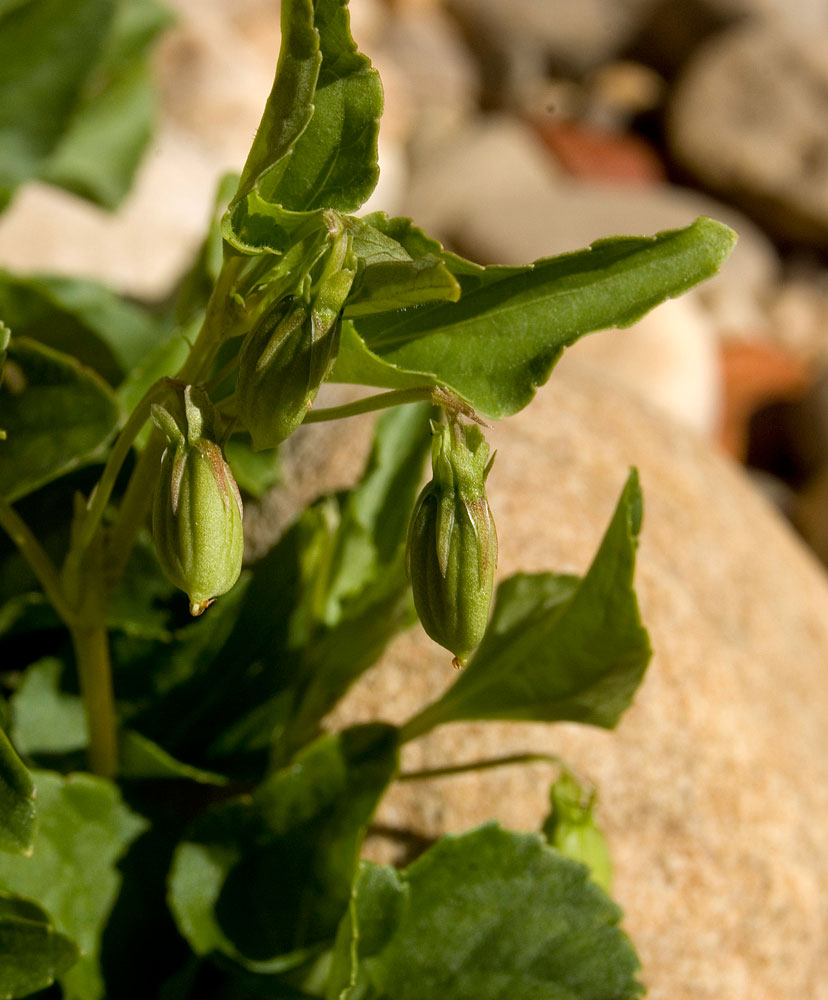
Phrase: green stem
(123, 445)
(134, 508)
(34, 553)
(137, 499)
(91, 644)
(480, 765)
(395, 397)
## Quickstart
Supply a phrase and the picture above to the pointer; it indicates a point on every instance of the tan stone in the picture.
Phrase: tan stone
(714, 788)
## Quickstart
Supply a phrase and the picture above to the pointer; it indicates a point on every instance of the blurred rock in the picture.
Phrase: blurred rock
(597, 154)
(748, 118)
(756, 374)
(714, 788)
(490, 194)
(669, 360)
(520, 43)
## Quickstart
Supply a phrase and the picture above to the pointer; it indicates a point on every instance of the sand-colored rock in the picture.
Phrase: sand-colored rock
(714, 788)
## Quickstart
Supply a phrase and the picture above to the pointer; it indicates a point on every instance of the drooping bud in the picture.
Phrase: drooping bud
(452, 542)
(286, 358)
(571, 828)
(197, 509)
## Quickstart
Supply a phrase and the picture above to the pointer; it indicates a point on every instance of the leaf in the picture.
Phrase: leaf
(57, 414)
(17, 807)
(265, 878)
(139, 759)
(558, 648)
(358, 365)
(32, 953)
(47, 720)
(501, 340)
(110, 129)
(399, 266)
(84, 827)
(80, 318)
(488, 914)
(316, 147)
(75, 97)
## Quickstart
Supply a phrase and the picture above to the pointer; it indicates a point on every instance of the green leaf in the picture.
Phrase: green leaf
(399, 266)
(81, 318)
(558, 648)
(111, 127)
(47, 49)
(17, 808)
(47, 720)
(316, 147)
(139, 759)
(32, 953)
(76, 101)
(501, 340)
(358, 365)
(265, 878)
(57, 414)
(487, 914)
(84, 827)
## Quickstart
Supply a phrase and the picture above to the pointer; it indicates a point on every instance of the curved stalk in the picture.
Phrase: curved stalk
(481, 765)
(36, 556)
(395, 397)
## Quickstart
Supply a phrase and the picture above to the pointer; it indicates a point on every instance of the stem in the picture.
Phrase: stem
(103, 489)
(91, 644)
(480, 765)
(34, 553)
(134, 508)
(395, 397)
(138, 496)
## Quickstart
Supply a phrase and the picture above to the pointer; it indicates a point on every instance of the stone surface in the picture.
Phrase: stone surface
(714, 788)
(748, 119)
(490, 193)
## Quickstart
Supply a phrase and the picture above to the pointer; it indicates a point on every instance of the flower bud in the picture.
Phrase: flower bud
(452, 542)
(284, 360)
(197, 509)
(570, 828)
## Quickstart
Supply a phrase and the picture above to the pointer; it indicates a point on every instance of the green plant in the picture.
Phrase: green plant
(213, 848)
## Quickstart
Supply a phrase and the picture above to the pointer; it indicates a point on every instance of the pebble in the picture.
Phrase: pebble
(748, 120)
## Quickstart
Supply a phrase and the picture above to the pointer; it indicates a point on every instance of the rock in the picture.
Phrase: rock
(747, 119)
(519, 43)
(490, 194)
(714, 787)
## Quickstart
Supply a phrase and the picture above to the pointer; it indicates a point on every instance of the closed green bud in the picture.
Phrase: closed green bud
(571, 828)
(286, 358)
(197, 509)
(452, 542)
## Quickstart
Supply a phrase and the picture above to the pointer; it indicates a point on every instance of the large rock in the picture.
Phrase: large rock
(714, 788)
(748, 119)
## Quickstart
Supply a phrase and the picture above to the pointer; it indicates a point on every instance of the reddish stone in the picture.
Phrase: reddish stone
(594, 154)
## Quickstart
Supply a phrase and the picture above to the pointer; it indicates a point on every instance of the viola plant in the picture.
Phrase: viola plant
(175, 820)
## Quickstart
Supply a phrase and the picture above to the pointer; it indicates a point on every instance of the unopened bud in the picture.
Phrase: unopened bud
(286, 358)
(197, 509)
(452, 542)
(571, 828)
